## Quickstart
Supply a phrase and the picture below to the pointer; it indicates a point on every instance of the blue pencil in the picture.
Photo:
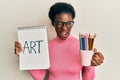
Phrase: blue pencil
(83, 42)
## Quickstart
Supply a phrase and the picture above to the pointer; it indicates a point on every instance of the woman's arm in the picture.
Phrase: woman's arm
(38, 74)
(88, 73)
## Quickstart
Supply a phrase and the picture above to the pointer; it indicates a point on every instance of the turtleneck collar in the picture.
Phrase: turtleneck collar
(62, 41)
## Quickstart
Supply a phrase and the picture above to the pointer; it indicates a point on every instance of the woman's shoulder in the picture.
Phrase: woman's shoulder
(74, 38)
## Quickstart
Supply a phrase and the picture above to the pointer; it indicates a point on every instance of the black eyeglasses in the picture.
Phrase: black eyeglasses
(60, 24)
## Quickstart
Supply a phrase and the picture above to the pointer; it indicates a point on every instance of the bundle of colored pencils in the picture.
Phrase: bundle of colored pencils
(87, 41)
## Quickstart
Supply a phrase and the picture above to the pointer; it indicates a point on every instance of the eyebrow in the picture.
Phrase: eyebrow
(63, 21)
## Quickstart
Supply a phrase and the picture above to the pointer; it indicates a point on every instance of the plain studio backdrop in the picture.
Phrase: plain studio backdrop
(95, 16)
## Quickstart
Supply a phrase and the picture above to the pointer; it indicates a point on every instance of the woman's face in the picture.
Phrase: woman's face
(63, 24)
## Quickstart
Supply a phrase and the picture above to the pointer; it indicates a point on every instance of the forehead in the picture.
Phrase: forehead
(64, 17)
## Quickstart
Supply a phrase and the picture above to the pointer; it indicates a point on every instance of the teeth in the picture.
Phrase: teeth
(64, 32)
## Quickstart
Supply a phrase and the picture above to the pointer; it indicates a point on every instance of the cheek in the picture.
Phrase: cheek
(57, 30)
(69, 30)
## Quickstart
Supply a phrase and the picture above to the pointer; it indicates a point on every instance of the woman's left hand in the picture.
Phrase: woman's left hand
(97, 58)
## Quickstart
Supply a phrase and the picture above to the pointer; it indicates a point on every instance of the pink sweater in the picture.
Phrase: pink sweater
(65, 62)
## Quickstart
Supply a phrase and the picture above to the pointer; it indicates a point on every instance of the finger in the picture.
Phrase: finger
(98, 62)
(17, 50)
(97, 59)
(94, 50)
(18, 44)
(100, 55)
(93, 63)
(94, 55)
(17, 53)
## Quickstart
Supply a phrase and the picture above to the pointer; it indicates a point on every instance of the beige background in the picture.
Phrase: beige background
(100, 16)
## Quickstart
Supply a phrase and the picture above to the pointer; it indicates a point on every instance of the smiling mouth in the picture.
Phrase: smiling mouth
(64, 34)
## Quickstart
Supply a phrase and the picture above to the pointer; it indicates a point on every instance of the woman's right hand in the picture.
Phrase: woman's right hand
(18, 47)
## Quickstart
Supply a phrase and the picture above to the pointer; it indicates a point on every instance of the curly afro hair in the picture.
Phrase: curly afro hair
(61, 7)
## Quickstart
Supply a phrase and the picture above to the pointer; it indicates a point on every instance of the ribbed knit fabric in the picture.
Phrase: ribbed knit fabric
(65, 62)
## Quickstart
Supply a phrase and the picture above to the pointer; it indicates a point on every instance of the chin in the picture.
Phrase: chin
(63, 38)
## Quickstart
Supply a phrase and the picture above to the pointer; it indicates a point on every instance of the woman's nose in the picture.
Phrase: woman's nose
(64, 27)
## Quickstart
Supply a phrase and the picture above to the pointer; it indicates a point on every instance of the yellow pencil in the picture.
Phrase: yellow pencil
(93, 41)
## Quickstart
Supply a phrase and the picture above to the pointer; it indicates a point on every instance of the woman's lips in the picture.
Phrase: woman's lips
(64, 34)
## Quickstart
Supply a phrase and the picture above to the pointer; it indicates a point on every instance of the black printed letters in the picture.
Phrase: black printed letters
(32, 46)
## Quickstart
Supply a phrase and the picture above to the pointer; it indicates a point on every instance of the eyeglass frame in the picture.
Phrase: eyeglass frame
(63, 23)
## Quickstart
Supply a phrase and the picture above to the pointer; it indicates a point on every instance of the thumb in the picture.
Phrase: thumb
(94, 50)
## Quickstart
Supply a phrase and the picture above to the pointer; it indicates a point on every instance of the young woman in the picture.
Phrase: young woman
(64, 58)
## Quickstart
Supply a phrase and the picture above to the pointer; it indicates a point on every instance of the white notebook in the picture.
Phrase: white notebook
(35, 48)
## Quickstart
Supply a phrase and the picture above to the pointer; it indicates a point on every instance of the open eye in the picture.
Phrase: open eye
(59, 23)
(69, 24)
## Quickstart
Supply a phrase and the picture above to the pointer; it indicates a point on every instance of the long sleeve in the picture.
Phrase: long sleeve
(38, 74)
(88, 73)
